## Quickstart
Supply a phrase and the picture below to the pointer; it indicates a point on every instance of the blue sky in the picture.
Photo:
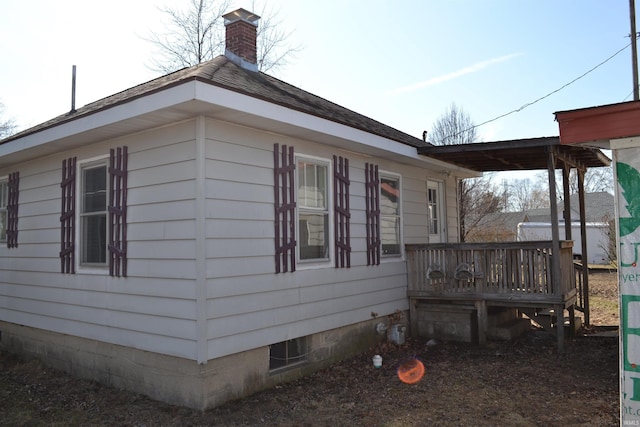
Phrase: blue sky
(400, 62)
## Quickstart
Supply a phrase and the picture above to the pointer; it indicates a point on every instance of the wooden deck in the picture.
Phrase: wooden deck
(511, 274)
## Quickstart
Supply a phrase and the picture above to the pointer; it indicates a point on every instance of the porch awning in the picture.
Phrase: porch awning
(517, 154)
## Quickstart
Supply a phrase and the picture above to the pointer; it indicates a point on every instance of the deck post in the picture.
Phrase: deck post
(413, 317)
(585, 254)
(559, 311)
(556, 275)
(572, 320)
(481, 309)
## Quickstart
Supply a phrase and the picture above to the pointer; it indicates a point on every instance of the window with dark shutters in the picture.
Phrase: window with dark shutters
(342, 215)
(118, 212)
(285, 205)
(68, 216)
(13, 186)
(372, 201)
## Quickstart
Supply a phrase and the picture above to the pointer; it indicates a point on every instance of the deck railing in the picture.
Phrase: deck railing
(504, 270)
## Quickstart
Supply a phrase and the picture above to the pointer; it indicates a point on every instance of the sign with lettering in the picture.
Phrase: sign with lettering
(627, 167)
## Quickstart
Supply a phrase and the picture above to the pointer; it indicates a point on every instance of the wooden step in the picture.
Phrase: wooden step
(545, 318)
(510, 329)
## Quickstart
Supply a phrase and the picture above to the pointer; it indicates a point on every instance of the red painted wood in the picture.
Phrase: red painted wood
(117, 209)
(68, 216)
(372, 202)
(13, 186)
(284, 208)
(341, 215)
(597, 124)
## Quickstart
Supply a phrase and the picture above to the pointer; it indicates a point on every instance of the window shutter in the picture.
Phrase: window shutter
(342, 215)
(68, 216)
(284, 203)
(118, 212)
(12, 209)
(372, 200)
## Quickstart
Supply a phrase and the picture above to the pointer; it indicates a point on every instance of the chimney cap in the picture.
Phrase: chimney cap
(241, 15)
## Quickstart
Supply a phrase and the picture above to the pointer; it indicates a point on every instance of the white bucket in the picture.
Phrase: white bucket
(377, 361)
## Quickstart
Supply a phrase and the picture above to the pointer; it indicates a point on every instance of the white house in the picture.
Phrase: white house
(211, 232)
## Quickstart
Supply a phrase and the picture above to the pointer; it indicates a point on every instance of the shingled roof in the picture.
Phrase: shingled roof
(223, 73)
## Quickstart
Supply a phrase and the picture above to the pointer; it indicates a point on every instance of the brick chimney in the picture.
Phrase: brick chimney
(241, 31)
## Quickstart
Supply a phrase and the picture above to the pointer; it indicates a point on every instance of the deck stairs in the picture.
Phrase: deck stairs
(506, 324)
(546, 319)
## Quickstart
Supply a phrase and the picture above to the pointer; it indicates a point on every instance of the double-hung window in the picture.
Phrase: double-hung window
(390, 218)
(313, 210)
(93, 215)
(3, 210)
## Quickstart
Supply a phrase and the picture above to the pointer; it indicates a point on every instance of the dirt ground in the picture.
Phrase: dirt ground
(522, 383)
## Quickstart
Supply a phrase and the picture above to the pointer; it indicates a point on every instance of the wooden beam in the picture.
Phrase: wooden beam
(503, 161)
(559, 310)
(585, 255)
(566, 194)
(570, 160)
(481, 308)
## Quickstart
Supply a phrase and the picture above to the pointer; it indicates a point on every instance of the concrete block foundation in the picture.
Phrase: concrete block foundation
(182, 381)
(449, 322)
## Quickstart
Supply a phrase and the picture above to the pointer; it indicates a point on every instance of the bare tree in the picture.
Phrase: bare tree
(7, 126)
(477, 197)
(595, 180)
(525, 195)
(454, 126)
(196, 34)
(274, 51)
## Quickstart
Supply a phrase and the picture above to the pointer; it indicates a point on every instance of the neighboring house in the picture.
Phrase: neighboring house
(496, 227)
(211, 232)
(598, 207)
(502, 226)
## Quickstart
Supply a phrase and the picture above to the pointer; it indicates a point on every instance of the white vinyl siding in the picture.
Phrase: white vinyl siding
(156, 307)
(249, 306)
(153, 308)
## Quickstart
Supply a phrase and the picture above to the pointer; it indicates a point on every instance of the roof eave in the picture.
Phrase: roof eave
(194, 96)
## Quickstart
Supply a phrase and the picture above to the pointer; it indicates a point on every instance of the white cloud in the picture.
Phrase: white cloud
(455, 74)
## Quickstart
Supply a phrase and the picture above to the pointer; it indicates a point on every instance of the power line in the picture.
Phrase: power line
(627, 97)
(543, 97)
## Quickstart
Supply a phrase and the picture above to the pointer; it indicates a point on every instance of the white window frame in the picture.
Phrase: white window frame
(96, 268)
(316, 262)
(396, 177)
(441, 211)
(289, 362)
(4, 200)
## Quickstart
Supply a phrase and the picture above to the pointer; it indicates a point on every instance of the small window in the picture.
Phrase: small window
(287, 353)
(313, 210)
(390, 215)
(3, 210)
(93, 215)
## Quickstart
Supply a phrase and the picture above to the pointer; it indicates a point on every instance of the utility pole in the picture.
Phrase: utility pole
(634, 49)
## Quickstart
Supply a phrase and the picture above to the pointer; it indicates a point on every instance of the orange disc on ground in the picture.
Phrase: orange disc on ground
(411, 371)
